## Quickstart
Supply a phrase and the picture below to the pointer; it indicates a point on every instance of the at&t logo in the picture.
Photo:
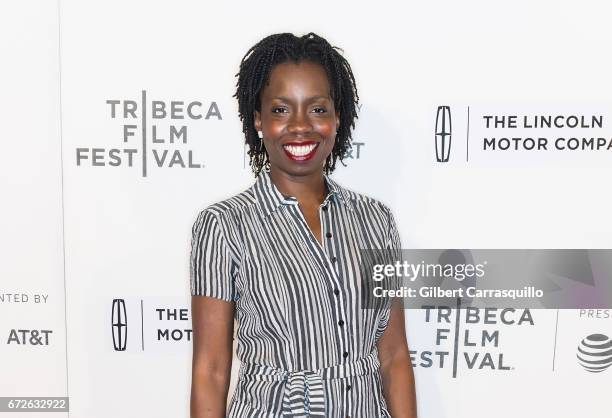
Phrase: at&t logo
(595, 353)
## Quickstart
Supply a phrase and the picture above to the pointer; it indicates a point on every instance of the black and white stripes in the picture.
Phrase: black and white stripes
(305, 345)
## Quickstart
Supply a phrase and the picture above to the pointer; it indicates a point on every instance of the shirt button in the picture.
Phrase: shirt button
(336, 292)
(334, 259)
(328, 235)
(341, 322)
(345, 354)
(348, 387)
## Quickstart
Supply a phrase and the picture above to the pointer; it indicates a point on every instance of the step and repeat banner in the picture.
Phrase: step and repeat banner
(481, 125)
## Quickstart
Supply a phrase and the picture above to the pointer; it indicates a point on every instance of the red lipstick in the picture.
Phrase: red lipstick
(300, 151)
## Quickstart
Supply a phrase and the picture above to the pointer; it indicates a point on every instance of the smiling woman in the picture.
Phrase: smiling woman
(282, 257)
(297, 118)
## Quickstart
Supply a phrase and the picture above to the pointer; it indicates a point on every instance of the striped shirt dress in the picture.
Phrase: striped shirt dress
(307, 347)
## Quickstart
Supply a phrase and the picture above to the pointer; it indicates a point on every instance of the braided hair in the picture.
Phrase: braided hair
(254, 74)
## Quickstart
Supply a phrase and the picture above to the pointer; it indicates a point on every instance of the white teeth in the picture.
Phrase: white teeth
(300, 150)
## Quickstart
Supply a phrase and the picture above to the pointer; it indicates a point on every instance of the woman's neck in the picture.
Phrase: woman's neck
(308, 189)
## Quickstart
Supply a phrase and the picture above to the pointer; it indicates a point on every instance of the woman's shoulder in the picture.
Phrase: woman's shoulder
(363, 202)
(231, 206)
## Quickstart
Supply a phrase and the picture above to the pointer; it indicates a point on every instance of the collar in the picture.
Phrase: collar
(269, 198)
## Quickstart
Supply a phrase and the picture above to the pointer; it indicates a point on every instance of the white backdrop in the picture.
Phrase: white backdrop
(84, 225)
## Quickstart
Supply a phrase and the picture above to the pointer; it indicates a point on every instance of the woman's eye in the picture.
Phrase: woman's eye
(319, 110)
(279, 110)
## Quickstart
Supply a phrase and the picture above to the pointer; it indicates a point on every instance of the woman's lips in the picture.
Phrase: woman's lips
(300, 151)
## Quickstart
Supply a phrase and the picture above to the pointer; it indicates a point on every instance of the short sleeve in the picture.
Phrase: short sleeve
(212, 266)
(393, 249)
(394, 241)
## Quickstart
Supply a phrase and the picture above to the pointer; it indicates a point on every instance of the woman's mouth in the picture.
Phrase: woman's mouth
(300, 151)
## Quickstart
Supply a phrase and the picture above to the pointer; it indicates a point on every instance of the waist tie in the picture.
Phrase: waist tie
(304, 395)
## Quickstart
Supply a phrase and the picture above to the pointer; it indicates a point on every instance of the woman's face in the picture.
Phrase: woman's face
(297, 118)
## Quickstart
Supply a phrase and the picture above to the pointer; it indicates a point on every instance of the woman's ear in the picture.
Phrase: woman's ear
(257, 120)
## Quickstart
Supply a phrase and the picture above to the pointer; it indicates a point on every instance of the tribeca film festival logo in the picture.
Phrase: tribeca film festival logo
(594, 353)
(154, 134)
(473, 346)
(168, 325)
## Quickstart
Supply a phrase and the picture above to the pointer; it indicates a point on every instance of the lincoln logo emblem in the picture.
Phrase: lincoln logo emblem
(443, 134)
(119, 325)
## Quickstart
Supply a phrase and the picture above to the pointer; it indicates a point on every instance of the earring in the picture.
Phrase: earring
(260, 134)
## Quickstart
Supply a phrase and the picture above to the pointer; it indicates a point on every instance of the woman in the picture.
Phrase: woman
(282, 257)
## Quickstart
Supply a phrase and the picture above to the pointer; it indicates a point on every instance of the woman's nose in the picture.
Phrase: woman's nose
(299, 123)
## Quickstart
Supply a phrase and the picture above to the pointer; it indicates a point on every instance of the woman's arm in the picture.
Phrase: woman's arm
(213, 331)
(396, 367)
